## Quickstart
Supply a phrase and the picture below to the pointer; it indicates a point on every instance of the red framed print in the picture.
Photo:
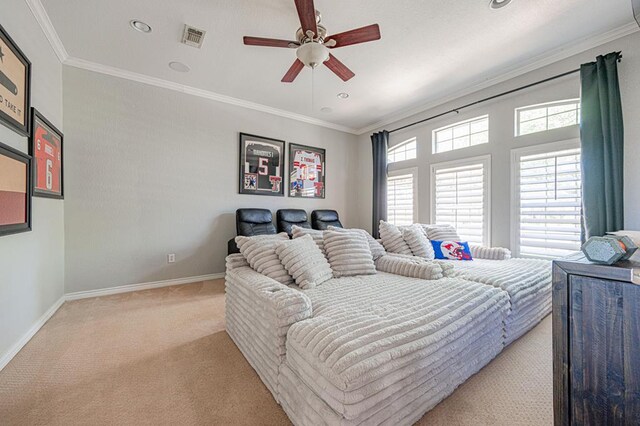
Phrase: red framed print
(261, 165)
(45, 147)
(15, 191)
(15, 85)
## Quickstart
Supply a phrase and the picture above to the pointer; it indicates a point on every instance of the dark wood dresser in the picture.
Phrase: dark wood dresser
(596, 343)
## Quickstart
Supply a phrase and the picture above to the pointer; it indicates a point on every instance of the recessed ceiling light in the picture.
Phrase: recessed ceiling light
(140, 26)
(326, 109)
(179, 66)
(497, 4)
(343, 95)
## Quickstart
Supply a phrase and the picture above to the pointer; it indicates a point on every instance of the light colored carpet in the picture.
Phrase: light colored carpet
(162, 357)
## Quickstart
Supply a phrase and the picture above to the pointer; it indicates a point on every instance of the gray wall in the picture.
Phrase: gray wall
(502, 138)
(32, 263)
(150, 171)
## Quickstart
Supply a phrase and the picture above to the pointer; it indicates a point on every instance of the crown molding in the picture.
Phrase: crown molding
(535, 63)
(540, 61)
(50, 32)
(165, 84)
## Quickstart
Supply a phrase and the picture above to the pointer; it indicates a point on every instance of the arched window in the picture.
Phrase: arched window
(461, 135)
(402, 151)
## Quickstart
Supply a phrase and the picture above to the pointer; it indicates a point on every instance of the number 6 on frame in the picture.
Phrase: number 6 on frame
(46, 148)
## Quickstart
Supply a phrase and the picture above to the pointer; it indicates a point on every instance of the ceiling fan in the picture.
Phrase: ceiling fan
(313, 44)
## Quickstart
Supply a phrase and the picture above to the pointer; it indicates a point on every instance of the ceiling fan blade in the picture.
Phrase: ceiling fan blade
(359, 35)
(269, 42)
(307, 15)
(339, 68)
(293, 72)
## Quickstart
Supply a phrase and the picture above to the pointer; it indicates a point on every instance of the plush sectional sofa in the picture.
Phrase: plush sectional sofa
(385, 348)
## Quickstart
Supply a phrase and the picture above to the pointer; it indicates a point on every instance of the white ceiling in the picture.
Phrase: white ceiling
(429, 48)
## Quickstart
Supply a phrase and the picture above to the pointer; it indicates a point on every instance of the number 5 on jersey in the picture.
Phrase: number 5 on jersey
(263, 166)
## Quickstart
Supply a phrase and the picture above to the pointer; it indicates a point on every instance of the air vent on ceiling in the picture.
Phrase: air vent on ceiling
(193, 36)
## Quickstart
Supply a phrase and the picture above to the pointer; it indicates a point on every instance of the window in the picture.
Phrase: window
(547, 200)
(460, 197)
(553, 115)
(461, 135)
(403, 151)
(401, 197)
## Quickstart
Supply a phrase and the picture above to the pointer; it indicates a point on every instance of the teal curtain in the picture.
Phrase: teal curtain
(379, 144)
(602, 145)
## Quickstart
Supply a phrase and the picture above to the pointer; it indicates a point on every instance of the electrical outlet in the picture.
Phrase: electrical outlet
(171, 258)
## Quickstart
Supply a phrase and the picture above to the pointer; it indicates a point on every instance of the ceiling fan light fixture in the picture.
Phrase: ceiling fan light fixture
(312, 43)
(312, 54)
(498, 4)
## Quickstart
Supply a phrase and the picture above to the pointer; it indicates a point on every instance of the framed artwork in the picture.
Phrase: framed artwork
(15, 85)
(306, 171)
(15, 191)
(261, 165)
(45, 148)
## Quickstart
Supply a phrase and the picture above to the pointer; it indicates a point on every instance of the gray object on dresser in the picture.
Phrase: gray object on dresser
(596, 342)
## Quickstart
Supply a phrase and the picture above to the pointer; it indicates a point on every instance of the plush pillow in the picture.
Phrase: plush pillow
(348, 254)
(451, 250)
(418, 242)
(304, 261)
(392, 239)
(377, 251)
(260, 252)
(441, 232)
(297, 232)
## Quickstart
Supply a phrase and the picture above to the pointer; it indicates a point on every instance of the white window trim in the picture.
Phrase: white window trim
(486, 162)
(433, 133)
(413, 171)
(517, 111)
(515, 173)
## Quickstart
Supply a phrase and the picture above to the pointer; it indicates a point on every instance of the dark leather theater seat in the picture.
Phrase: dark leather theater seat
(322, 219)
(286, 218)
(250, 222)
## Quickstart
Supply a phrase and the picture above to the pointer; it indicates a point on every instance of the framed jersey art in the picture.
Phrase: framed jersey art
(261, 165)
(306, 171)
(45, 146)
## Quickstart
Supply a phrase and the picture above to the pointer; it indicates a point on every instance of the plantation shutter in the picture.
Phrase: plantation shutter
(460, 200)
(400, 199)
(549, 203)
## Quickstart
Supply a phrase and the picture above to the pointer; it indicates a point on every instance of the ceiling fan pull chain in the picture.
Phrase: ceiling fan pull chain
(313, 73)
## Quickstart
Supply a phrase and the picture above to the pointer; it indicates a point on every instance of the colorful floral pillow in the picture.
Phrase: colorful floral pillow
(452, 250)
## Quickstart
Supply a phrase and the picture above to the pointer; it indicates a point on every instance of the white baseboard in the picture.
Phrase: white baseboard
(8, 356)
(13, 351)
(142, 286)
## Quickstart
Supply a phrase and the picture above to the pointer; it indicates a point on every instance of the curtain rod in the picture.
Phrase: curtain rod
(490, 98)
